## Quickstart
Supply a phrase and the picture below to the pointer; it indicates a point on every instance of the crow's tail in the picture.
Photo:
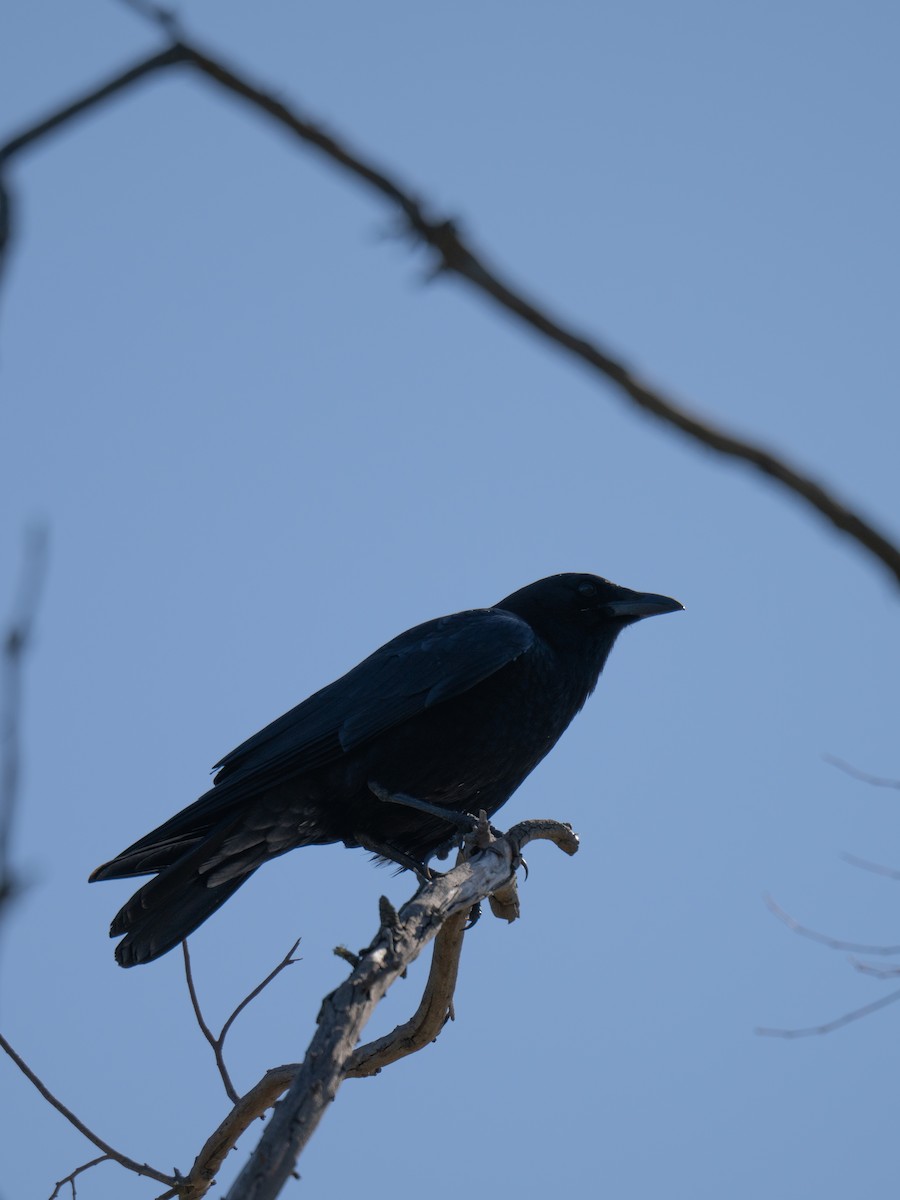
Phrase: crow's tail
(189, 887)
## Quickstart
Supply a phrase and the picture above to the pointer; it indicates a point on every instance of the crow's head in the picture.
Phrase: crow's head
(584, 605)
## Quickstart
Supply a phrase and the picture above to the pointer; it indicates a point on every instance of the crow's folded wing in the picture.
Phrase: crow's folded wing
(421, 668)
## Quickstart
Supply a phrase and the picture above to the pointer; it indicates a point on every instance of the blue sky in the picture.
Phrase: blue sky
(263, 445)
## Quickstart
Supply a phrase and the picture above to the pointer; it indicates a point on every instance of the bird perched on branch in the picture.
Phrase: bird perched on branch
(443, 721)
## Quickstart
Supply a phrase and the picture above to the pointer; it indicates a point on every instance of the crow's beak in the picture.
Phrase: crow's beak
(642, 604)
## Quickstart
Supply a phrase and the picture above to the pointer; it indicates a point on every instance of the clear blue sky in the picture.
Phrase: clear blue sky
(263, 446)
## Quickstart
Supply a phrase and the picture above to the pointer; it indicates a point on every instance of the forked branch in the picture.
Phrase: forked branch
(437, 911)
(401, 938)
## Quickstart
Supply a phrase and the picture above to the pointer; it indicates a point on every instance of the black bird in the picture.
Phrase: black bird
(452, 715)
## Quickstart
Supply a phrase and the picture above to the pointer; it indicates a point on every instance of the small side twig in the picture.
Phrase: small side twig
(830, 1026)
(832, 943)
(881, 781)
(875, 970)
(866, 864)
(122, 1159)
(16, 643)
(218, 1043)
(822, 938)
(72, 1176)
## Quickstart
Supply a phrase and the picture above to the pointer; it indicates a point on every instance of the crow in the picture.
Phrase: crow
(443, 721)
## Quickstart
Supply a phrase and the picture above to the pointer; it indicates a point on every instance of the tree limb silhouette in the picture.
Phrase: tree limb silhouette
(454, 254)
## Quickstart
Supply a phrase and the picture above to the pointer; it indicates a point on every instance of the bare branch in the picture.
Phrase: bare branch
(822, 938)
(454, 254)
(838, 1023)
(84, 103)
(440, 910)
(876, 970)
(218, 1043)
(15, 645)
(70, 1179)
(863, 776)
(866, 865)
(344, 1013)
(122, 1159)
(435, 1008)
(287, 961)
(165, 18)
(222, 1141)
(215, 1042)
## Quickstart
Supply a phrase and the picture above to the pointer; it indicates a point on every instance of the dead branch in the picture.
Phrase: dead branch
(73, 1175)
(832, 943)
(875, 970)
(15, 645)
(434, 1011)
(108, 1151)
(823, 938)
(863, 776)
(866, 864)
(830, 1026)
(344, 1013)
(454, 254)
(438, 911)
(218, 1043)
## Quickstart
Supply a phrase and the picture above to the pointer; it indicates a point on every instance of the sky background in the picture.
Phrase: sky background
(263, 445)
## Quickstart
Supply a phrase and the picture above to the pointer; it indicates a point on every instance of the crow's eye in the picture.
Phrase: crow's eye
(587, 589)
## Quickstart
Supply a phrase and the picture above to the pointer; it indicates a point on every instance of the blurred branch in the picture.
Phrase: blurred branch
(876, 970)
(865, 864)
(15, 644)
(830, 1026)
(455, 255)
(822, 938)
(879, 972)
(862, 776)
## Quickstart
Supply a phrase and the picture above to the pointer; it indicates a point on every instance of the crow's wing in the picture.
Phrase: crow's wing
(421, 668)
(417, 670)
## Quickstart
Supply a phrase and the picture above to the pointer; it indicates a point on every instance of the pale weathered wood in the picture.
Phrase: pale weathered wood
(344, 1013)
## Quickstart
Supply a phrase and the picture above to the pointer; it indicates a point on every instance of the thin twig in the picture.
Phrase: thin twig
(454, 254)
(864, 776)
(838, 1023)
(70, 1179)
(215, 1042)
(435, 1008)
(287, 961)
(122, 1159)
(866, 865)
(822, 938)
(218, 1043)
(876, 970)
(166, 18)
(97, 95)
